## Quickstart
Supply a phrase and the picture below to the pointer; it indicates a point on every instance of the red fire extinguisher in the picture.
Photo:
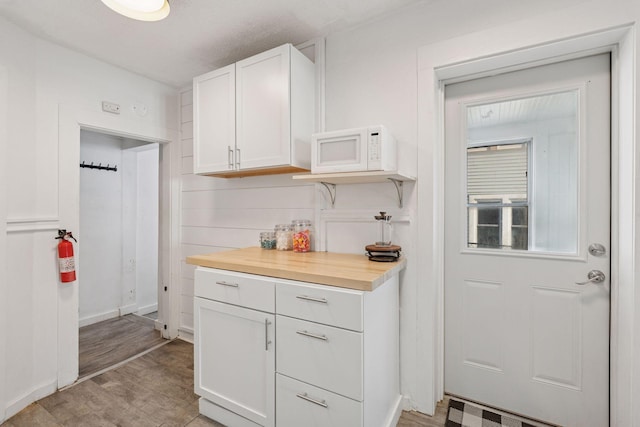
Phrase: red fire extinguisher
(65, 256)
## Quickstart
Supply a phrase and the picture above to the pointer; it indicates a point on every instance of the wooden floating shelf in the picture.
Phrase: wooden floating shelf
(331, 180)
(355, 177)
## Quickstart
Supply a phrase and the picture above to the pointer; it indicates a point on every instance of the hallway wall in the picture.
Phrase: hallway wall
(101, 217)
(42, 78)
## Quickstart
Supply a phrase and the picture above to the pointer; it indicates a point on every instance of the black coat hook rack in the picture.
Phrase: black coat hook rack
(99, 166)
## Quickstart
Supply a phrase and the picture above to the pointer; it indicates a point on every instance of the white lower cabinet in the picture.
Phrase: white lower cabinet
(310, 355)
(234, 349)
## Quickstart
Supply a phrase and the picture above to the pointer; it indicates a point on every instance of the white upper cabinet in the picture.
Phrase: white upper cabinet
(256, 116)
(214, 98)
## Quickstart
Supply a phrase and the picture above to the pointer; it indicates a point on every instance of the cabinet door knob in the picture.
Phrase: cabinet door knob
(230, 157)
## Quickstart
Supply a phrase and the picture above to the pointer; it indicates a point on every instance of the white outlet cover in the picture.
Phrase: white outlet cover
(140, 109)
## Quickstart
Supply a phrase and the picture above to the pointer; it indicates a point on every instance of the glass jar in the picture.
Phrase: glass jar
(302, 234)
(284, 236)
(268, 240)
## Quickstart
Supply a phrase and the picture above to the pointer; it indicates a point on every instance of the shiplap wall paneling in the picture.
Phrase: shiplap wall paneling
(221, 214)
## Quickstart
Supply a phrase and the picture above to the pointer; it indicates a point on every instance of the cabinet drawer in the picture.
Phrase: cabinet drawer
(321, 355)
(299, 404)
(322, 304)
(235, 288)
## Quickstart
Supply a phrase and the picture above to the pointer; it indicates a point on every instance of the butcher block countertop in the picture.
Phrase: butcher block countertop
(344, 270)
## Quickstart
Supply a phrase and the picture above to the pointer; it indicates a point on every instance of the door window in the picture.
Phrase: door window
(522, 191)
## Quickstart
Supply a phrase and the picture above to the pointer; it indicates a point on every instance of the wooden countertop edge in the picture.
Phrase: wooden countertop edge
(293, 274)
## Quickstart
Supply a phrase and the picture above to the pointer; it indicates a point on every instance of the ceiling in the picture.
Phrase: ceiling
(522, 110)
(198, 36)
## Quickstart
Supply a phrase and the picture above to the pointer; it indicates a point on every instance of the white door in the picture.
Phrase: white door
(214, 122)
(235, 359)
(262, 109)
(527, 194)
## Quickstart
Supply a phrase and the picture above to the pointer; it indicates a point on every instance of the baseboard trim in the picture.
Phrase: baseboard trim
(90, 320)
(222, 415)
(147, 309)
(406, 404)
(18, 405)
(395, 413)
(128, 309)
(186, 334)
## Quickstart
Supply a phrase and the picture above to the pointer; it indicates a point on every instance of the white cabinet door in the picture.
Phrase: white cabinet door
(235, 359)
(263, 109)
(214, 132)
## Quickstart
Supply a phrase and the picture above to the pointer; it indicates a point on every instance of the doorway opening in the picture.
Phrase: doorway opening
(119, 249)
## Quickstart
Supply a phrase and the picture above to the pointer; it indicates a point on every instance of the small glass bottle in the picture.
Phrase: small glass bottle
(284, 235)
(268, 240)
(302, 235)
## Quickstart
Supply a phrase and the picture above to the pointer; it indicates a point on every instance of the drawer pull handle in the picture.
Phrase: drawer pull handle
(266, 334)
(308, 298)
(309, 399)
(310, 335)
(233, 285)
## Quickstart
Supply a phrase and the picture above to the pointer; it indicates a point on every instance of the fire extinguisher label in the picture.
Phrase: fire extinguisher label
(67, 265)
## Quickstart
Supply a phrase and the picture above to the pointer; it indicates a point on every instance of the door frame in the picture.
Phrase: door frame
(445, 63)
(70, 122)
(4, 85)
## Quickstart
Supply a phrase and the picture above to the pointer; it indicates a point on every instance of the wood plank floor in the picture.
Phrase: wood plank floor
(155, 389)
(112, 341)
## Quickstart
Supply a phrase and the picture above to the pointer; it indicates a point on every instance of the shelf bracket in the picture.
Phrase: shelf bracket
(331, 188)
(399, 188)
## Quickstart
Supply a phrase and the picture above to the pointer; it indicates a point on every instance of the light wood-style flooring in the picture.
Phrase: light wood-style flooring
(155, 389)
(112, 341)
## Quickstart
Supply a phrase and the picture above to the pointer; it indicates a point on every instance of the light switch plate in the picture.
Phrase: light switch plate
(110, 107)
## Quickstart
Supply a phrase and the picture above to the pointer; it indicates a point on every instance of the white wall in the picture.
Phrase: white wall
(147, 219)
(119, 226)
(3, 234)
(100, 227)
(455, 31)
(40, 78)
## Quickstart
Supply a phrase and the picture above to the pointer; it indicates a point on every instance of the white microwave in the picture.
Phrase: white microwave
(369, 148)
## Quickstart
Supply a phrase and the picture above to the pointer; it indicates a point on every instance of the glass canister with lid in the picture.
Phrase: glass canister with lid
(268, 240)
(302, 235)
(284, 237)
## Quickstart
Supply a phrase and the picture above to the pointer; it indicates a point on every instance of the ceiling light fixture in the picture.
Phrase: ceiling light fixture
(142, 10)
